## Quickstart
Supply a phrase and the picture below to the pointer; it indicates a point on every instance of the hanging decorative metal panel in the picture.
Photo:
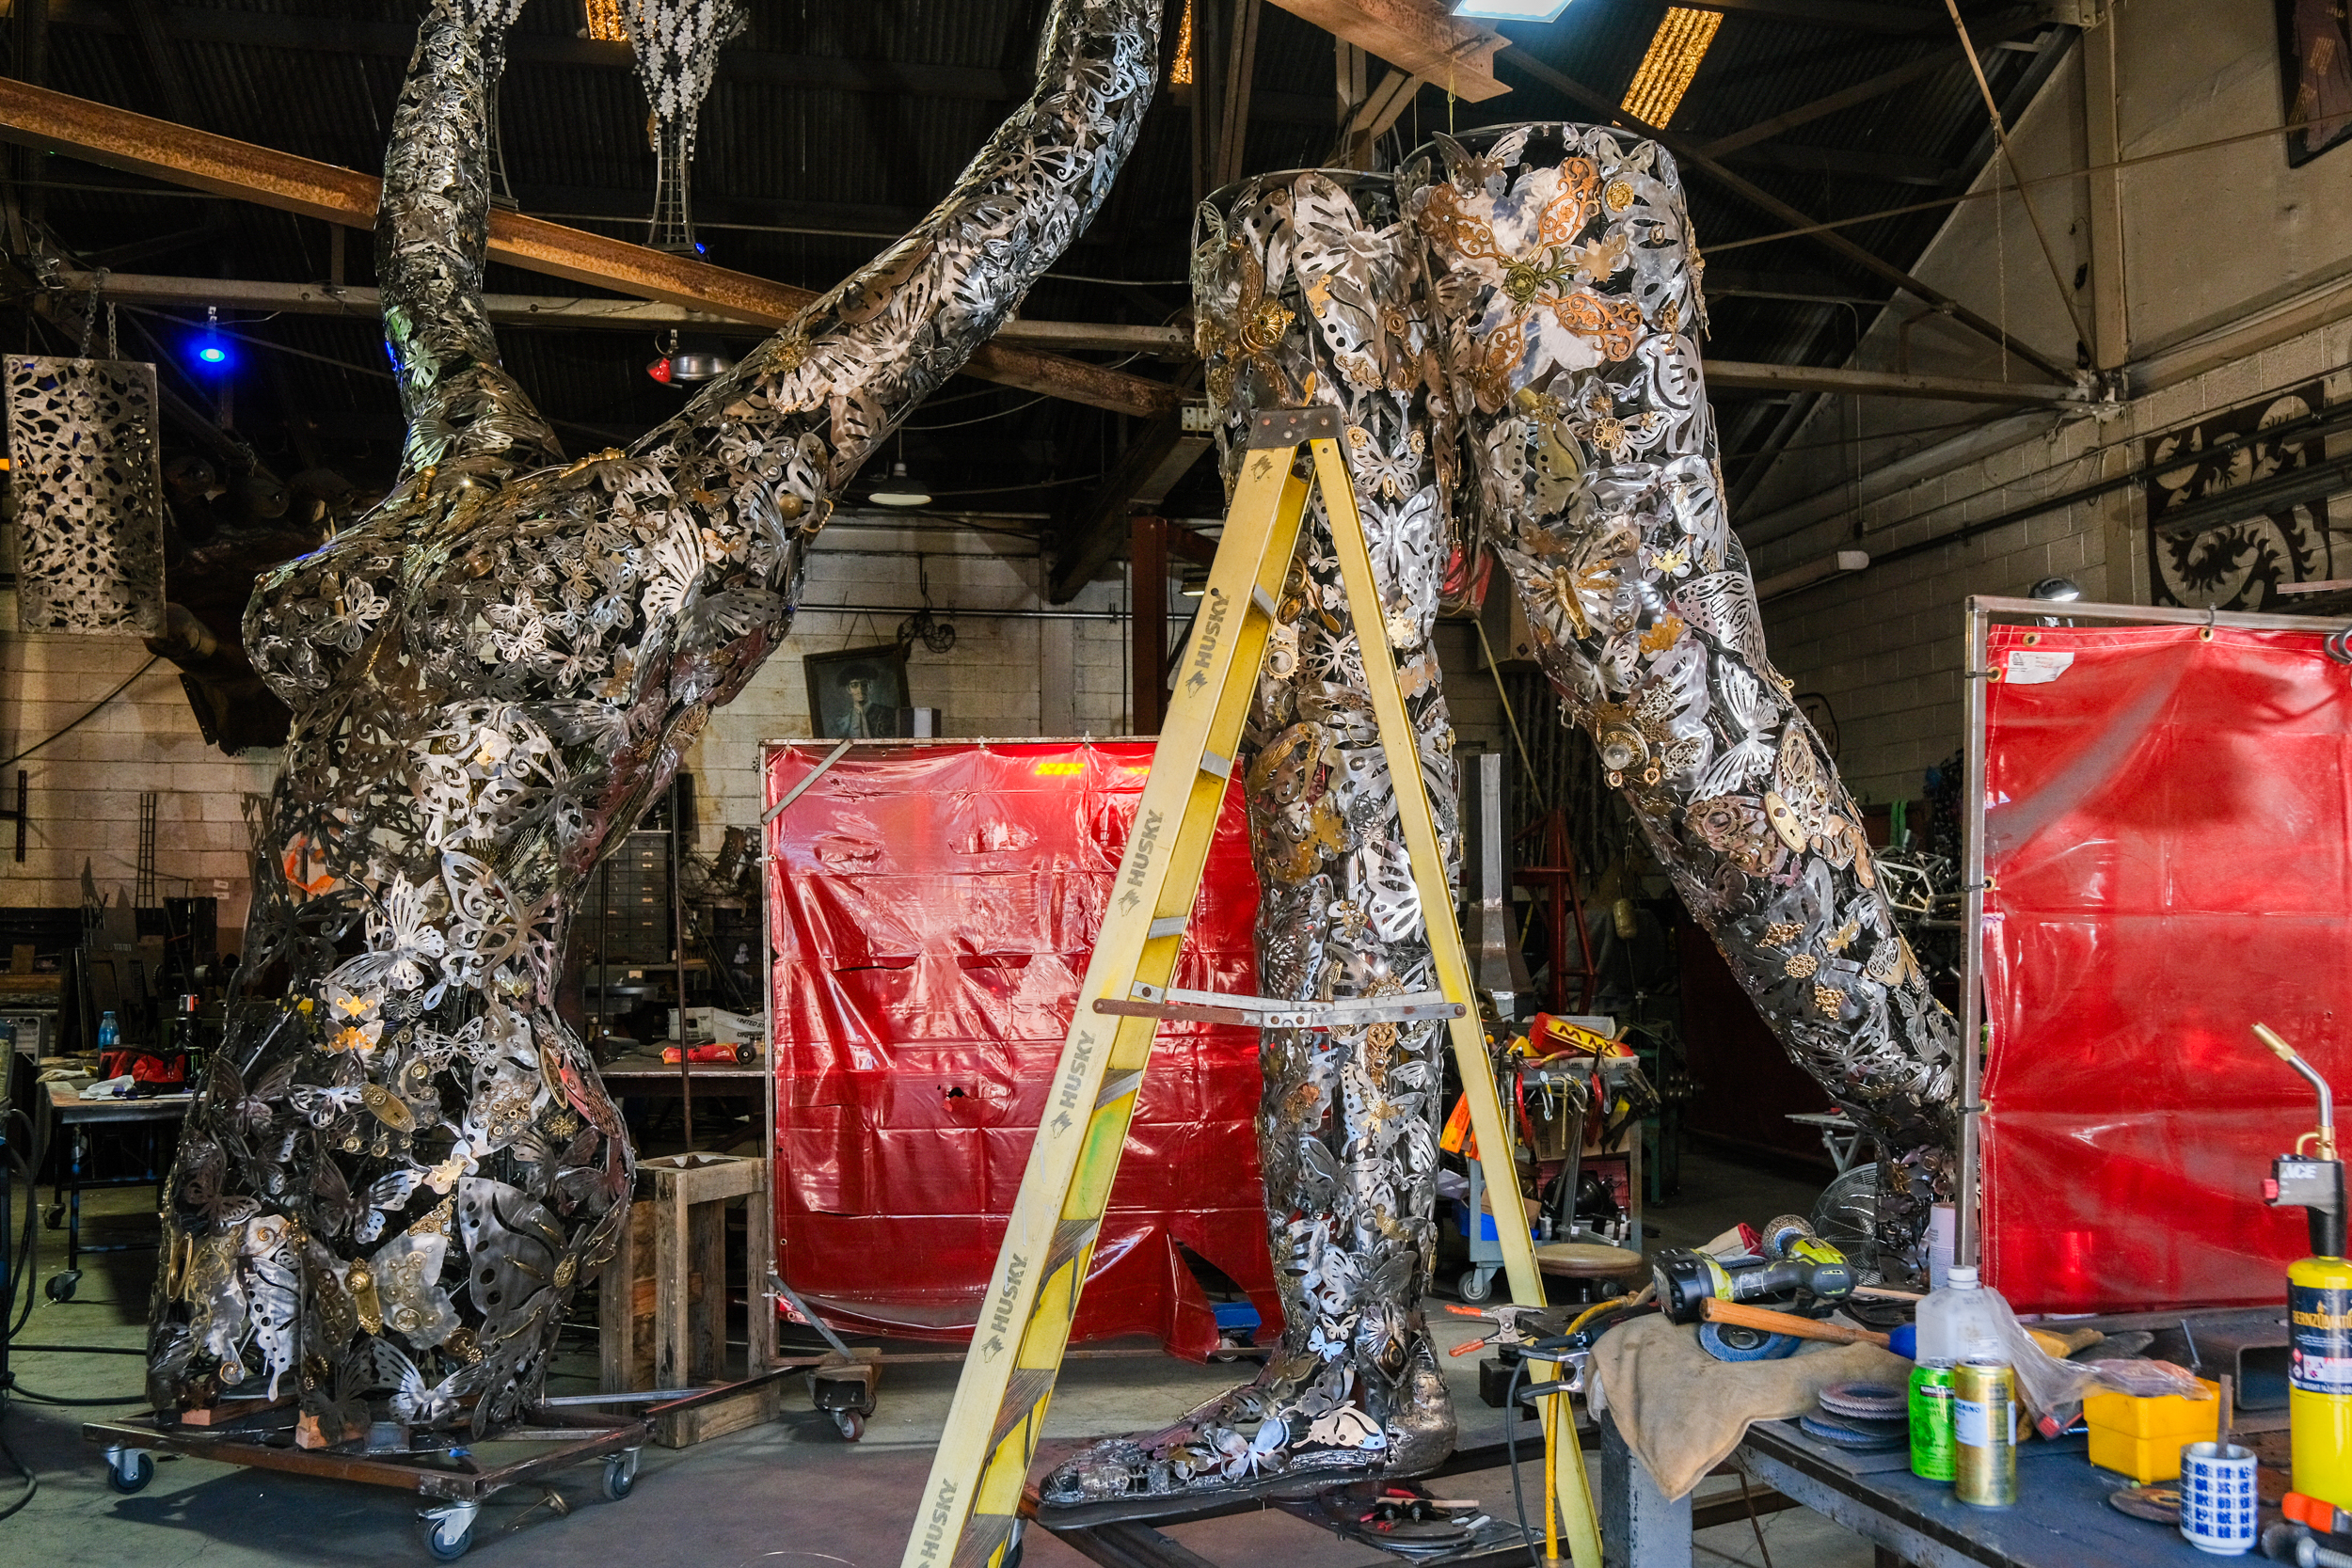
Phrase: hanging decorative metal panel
(90, 522)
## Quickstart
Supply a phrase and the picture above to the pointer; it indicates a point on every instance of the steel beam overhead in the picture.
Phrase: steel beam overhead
(321, 299)
(116, 138)
(1731, 375)
(1693, 155)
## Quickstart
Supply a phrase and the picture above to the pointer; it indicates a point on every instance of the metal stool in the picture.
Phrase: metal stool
(1587, 1264)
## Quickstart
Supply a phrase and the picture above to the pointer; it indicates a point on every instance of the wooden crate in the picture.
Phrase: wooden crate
(663, 1312)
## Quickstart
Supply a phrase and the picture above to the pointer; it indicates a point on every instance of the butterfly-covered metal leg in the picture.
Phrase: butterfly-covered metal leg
(1568, 282)
(1309, 293)
(401, 1163)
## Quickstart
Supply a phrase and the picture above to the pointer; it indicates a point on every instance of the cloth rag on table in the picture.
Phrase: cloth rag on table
(1681, 1412)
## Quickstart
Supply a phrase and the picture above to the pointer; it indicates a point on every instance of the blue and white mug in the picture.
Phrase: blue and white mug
(2218, 1511)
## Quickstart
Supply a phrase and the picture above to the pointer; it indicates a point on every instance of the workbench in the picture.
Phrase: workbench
(2060, 1520)
(62, 1100)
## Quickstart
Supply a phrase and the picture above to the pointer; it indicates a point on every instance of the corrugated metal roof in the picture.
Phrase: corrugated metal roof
(787, 145)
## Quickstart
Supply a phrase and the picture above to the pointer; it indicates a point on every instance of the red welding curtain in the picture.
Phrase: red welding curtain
(933, 910)
(2169, 823)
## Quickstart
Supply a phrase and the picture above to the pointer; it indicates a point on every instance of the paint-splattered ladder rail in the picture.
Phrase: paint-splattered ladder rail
(970, 1507)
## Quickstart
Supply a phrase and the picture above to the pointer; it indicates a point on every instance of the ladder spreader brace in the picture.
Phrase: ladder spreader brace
(970, 1511)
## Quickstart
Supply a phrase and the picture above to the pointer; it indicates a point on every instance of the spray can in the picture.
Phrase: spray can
(1931, 1421)
(1984, 1433)
(2319, 1299)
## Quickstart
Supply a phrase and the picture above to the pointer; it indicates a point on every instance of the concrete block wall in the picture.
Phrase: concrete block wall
(1016, 675)
(83, 787)
(1884, 646)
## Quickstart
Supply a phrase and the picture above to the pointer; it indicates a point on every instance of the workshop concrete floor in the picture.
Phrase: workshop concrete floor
(783, 1494)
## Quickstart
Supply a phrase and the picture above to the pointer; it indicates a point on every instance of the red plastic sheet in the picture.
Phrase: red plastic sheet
(2169, 825)
(933, 910)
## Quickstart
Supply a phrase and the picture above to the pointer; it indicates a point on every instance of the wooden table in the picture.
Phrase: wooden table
(2061, 1518)
(63, 1102)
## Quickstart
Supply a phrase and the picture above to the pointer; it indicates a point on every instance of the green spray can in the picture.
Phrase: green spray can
(1932, 1456)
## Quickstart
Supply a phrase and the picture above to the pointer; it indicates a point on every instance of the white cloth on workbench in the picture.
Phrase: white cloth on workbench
(1681, 1412)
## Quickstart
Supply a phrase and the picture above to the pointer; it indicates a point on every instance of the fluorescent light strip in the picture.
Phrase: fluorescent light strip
(1511, 11)
(1674, 52)
(1179, 74)
(604, 21)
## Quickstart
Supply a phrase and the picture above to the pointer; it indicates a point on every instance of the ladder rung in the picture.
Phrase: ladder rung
(1266, 1012)
(1263, 600)
(1166, 926)
(1211, 763)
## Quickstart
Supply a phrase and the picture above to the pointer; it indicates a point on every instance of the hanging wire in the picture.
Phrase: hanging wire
(2000, 137)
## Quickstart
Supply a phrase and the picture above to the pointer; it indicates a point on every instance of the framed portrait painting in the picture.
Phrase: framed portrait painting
(859, 693)
(2316, 76)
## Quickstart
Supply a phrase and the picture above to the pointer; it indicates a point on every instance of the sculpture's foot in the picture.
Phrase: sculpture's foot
(1303, 1425)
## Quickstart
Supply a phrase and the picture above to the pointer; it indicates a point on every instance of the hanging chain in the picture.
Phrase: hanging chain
(89, 316)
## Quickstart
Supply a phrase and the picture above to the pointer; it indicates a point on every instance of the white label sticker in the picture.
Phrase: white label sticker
(2033, 669)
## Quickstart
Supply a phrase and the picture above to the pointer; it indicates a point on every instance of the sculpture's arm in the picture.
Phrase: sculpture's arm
(432, 234)
(857, 360)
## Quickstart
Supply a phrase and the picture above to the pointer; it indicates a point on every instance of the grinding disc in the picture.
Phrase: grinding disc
(2158, 1503)
(1861, 1436)
(1868, 1402)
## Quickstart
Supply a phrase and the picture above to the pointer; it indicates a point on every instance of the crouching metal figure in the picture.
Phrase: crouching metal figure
(1509, 326)
(395, 1179)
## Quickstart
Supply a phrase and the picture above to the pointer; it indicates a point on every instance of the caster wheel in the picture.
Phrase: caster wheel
(441, 1545)
(130, 1472)
(620, 1476)
(61, 1286)
(448, 1551)
(851, 1423)
(1475, 1286)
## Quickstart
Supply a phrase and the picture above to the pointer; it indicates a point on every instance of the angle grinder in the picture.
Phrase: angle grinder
(1798, 1273)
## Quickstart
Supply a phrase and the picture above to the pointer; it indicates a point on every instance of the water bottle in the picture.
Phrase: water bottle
(109, 1032)
(1963, 1321)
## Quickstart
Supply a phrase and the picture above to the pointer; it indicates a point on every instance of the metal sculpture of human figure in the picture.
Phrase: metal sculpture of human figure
(1508, 327)
(403, 1162)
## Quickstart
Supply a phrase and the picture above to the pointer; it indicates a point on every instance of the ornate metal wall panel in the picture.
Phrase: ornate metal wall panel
(82, 447)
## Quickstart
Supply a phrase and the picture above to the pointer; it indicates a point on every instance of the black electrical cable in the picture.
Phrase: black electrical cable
(93, 710)
(21, 1392)
(32, 1481)
(1511, 1442)
(85, 1350)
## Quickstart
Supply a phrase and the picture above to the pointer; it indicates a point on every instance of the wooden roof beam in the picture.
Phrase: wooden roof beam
(116, 138)
(1418, 37)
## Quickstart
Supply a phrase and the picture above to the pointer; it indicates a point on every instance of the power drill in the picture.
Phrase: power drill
(1799, 1271)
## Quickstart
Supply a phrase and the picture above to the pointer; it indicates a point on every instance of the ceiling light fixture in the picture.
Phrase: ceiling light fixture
(683, 369)
(1511, 11)
(1674, 52)
(900, 489)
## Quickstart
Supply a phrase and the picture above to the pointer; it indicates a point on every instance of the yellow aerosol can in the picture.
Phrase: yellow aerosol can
(2319, 1300)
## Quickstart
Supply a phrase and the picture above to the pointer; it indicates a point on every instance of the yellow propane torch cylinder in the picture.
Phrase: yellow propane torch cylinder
(2319, 1397)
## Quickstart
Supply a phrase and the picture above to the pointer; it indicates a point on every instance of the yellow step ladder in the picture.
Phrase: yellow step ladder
(970, 1514)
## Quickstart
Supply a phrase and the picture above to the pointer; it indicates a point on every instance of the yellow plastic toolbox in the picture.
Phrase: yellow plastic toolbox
(2142, 1437)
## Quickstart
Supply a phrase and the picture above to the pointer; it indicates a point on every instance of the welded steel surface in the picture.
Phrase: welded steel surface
(393, 1181)
(1509, 328)
(1310, 293)
(1568, 281)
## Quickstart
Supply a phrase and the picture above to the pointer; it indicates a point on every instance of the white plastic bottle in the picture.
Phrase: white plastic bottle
(1963, 1321)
